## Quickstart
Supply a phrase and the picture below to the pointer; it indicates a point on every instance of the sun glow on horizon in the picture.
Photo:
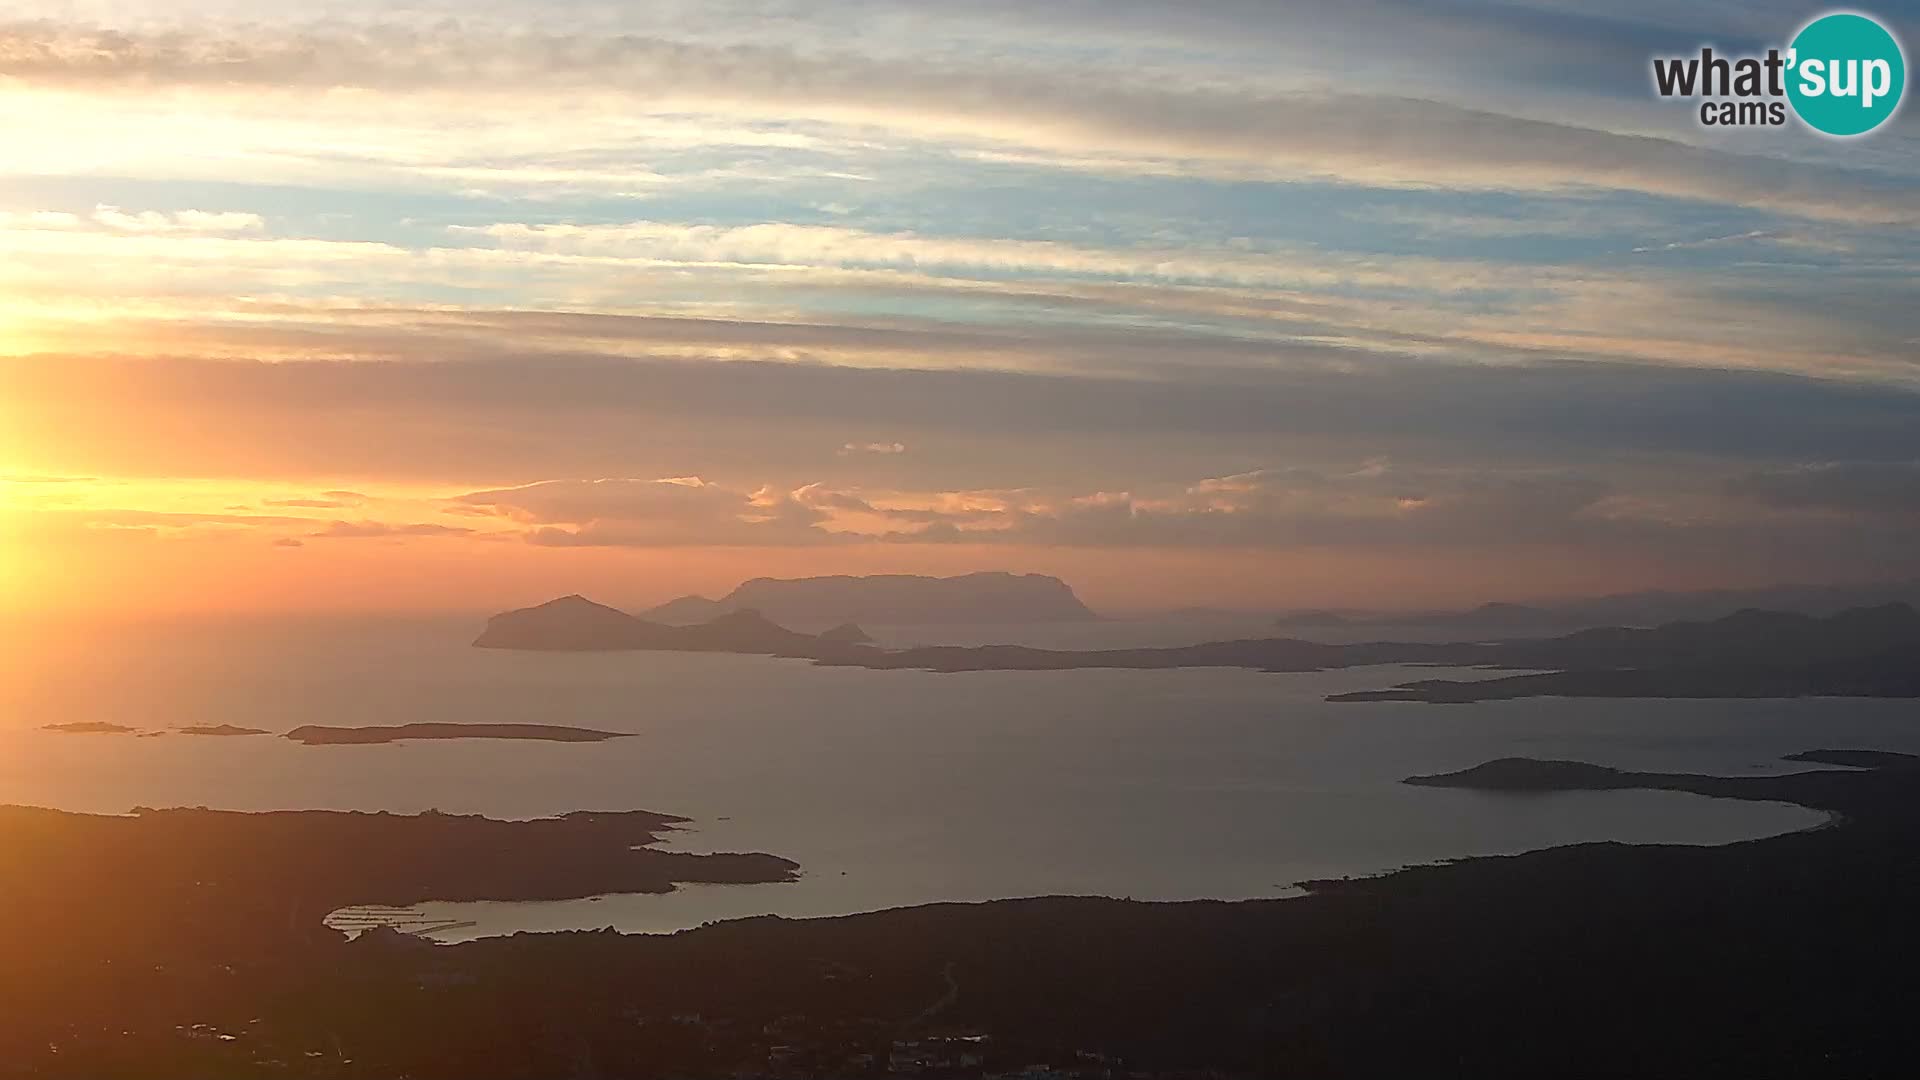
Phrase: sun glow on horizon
(387, 312)
(13, 556)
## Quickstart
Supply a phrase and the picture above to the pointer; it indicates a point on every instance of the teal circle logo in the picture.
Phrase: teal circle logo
(1846, 74)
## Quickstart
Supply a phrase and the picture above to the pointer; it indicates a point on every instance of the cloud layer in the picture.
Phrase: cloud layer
(1382, 141)
(1380, 298)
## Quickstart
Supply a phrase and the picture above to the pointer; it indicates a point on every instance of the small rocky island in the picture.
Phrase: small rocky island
(321, 735)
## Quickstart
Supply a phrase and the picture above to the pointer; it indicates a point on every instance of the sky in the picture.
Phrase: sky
(343, 306)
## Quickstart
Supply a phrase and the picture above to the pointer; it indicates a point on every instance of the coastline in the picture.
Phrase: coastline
(1568, 941)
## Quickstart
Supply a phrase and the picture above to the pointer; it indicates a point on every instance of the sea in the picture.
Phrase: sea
(889, 788)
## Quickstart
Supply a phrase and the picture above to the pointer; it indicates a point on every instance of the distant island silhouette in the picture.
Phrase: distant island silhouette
(846, 634)
(1860, 652)
(329, 735)
(1536, 775)
(1645, 608)
(576, 624)
(889, 599)
(322, 735)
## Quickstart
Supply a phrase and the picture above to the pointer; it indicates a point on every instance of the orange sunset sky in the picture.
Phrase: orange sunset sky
(433, 307)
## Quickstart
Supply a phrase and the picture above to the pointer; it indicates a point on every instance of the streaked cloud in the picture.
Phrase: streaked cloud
(1376, 141)
(530, 416)
(1870, 487)
(650, 513)
(1377, 299)
(376, 530)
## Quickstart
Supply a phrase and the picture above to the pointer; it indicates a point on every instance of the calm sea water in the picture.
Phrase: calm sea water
(889, 788)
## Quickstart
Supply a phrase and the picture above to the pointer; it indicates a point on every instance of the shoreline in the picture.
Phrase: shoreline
(1669, 950)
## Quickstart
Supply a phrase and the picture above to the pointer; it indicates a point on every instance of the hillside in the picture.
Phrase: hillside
(889, 599)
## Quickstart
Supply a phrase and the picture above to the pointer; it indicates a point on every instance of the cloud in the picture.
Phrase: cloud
(1415, 515)
(1418, 516)
(537, 416)
(177, 221)
(330, 500)
(144, 222)
(782, 244)
(131, 515)
(1710, 241)
(365, 530)
(1866, 487)
(1287, 508)
(1379, 141)
(1371, 506)
(50, 220)
(846, 295)
(882, 448)
(621, 512)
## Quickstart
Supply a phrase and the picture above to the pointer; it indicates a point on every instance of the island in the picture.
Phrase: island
(100, 727)
(321, 735)
(1808, 788)
(846, 633)
(576, 624)
(889, 599)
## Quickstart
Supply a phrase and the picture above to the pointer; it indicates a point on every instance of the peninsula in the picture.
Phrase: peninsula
(187, 943)
(1860, 652)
